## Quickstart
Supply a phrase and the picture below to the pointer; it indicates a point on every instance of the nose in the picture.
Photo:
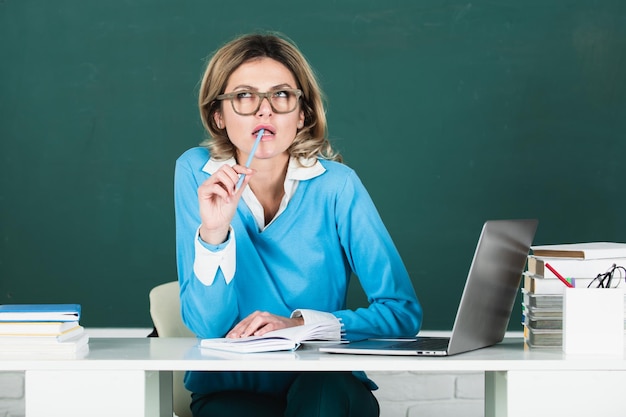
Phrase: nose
(265, 108)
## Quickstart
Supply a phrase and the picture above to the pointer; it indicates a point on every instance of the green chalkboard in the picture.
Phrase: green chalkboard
(451, 112)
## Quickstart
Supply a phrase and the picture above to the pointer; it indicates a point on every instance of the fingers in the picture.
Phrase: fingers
(246, 173)
(218, 199)
(259, 323)
(222, 183)
(219, 188)
(249, 325)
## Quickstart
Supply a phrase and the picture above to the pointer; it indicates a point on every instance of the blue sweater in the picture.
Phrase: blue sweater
(303, 260)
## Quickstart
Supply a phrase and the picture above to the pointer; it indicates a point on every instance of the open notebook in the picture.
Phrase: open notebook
(487, 301)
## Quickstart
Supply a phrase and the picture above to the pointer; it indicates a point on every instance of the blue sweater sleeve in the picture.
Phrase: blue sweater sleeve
(209, 311)
(394, 309)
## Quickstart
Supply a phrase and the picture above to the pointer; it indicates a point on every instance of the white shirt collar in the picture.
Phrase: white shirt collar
(304, 170)
(298, 170)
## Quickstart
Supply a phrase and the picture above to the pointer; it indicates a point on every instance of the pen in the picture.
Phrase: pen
(249, 161)
(559, 276)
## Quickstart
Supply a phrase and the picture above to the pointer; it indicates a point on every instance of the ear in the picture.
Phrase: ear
(301, 120)
(217, 118)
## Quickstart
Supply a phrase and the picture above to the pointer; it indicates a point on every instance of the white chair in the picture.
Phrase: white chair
(165, 313)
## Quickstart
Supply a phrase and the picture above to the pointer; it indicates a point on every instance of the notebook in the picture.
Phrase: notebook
(487, 301)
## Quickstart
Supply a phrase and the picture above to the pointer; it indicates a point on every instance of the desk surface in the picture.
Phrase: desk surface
(184, 354)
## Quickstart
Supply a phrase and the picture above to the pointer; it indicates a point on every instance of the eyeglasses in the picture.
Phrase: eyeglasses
(247, 102)
(616, 272)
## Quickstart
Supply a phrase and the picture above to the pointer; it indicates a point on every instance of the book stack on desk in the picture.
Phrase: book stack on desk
(542, 291)
(42, 329)
(542, 318)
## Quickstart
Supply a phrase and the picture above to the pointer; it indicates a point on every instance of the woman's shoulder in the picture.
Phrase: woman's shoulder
(339, 174)
(336, 168)
(195, 158)
(198, 153)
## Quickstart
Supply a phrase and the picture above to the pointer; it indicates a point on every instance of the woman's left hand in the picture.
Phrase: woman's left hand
(261, 322)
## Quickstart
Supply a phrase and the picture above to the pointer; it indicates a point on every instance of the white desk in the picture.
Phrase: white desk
(132, 377)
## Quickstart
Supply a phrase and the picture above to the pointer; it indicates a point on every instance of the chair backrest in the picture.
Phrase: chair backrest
(165, 313)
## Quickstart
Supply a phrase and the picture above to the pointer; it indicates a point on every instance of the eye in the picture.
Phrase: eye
(244, 94)
(281, 94)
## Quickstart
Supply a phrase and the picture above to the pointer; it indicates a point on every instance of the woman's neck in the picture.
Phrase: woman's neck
(268, 185)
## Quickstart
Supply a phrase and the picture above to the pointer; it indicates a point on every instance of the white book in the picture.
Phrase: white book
(586, 250)
(40, 340)
(44, 346)
(29, 352)
(284, 339)
(572, 267)
(540, 285)
(36, 328)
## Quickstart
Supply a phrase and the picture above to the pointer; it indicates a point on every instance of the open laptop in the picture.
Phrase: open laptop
(487, 301)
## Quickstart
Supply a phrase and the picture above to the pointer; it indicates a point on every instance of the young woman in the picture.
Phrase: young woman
(279, 250)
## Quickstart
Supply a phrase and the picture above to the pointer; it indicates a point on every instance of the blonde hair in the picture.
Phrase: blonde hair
(311, 141)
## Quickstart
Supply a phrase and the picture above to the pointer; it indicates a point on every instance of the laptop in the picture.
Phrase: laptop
(486, 303)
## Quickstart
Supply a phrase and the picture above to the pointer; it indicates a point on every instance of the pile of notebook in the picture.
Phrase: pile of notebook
(42, 329)
(542, 291)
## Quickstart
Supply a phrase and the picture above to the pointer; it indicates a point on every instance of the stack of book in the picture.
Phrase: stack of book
(542, 290)
(42, 330)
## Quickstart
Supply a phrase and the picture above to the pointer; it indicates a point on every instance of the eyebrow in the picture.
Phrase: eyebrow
(249, 87)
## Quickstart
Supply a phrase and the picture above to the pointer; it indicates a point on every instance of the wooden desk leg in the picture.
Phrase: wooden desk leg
(95, 393)
(496, 398)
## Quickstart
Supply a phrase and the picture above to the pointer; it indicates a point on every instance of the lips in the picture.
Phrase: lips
(268, 131)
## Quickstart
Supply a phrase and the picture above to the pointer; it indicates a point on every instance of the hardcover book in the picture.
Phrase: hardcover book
(41, 347)
(40, 340)
(540, 285)
(36, 328)
(572, 267)
(589, 250)
(40, 312)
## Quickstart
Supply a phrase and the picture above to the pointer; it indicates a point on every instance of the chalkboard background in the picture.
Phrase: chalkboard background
(451, 112)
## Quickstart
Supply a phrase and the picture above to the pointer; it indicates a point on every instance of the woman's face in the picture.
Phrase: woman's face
(260, 75)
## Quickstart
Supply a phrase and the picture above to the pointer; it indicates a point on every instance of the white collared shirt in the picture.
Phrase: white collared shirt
(296, 172)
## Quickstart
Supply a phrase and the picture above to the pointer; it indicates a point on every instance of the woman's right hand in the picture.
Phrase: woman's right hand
(218, 199)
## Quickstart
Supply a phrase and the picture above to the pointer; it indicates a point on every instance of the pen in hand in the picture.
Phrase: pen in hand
(559, 276)
(249, 161)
